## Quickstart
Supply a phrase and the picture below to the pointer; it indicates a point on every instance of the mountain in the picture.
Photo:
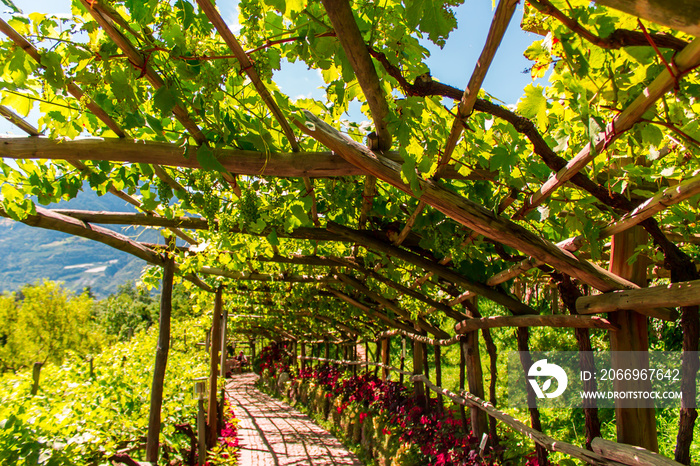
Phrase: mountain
(30, 254)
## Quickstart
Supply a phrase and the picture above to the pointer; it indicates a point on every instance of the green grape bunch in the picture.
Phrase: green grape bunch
(248, 207)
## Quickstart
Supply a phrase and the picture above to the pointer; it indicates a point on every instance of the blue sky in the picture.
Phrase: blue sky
(452, 65)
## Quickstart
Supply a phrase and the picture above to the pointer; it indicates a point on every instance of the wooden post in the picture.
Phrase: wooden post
(386, 353)
(366, 356)
(523, 336)
(635, 426)
(402, 365)
(303, 356)
(377, 356)
(224, 352)
(493, 369)
(475, 376)
(426, 369)
(475, 381)
(554, 300)
(418, 387)
(438, 375)
(212, 411)
(252, 350)
(201, 431)
(152, 441)
(36, 372)
(327, 352)
(462, 381)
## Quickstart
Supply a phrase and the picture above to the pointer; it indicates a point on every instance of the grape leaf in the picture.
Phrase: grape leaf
(533, 105)
(207, 159)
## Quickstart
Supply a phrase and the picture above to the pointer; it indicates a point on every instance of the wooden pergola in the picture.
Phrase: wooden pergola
(378, 301)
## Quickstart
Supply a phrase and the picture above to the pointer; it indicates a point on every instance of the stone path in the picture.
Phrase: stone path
(272, 433)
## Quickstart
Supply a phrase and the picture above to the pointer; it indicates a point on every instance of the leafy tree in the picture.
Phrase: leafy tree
(44, 322)
(133, 308)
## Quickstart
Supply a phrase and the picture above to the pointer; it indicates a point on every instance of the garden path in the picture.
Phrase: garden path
(272, 433)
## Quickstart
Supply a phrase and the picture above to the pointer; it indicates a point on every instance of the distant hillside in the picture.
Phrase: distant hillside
(30, 254)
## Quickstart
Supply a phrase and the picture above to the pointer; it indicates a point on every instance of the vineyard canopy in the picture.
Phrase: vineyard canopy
(320, 227)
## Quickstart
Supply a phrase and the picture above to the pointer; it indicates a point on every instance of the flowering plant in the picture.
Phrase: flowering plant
(225, 453)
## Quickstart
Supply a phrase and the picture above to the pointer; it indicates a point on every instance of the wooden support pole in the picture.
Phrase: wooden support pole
(438, 375)
(475, 376)
(569, 294)
(386, 357)
(426, 368)
(36, 373)
(418, 388)
(402, 364)
(523, 336)
(215, 342)
(201, 430)
(462, 384)
(635, 426)
(690, 323)
(152, 441)
(303, 356)
(377, 356)
(224, 352)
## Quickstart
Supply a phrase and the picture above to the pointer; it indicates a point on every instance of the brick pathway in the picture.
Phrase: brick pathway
(272, 433)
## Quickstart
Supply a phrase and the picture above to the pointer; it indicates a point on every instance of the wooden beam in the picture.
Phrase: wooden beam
(247, 67)
(565, 321)
(629, 454)
(571, 245)
(468, 213)
(494, 294)
(72, 89)
(138, 60)
(673, 295)
(666, 198)
(687, 59)
(333, 261)
(421, 323)
(348, 33)
(499, 24)
(190, 223)
(683, 15)
(18, 121)
(287, 165)
(371, 312)
(49, 220)
(264, 277)
(161, 362)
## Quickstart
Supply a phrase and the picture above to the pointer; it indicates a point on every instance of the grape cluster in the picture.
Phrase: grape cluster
(165, 193)
(248, 207)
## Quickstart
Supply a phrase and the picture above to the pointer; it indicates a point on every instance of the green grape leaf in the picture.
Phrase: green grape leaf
(207, 159)
(164, 100)
(533, 105)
